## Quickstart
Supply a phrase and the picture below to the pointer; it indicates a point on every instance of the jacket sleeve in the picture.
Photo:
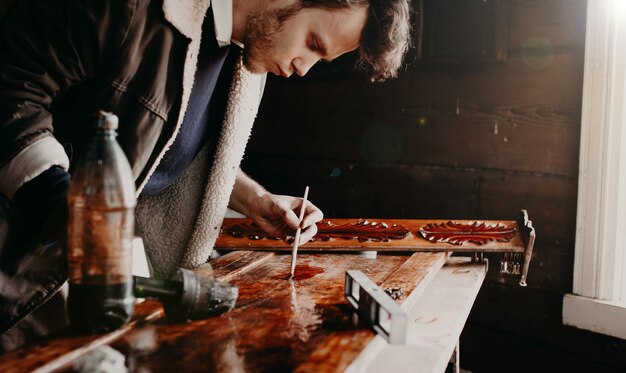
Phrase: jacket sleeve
(46, 48)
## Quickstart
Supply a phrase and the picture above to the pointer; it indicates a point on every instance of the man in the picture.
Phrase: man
(185, 79)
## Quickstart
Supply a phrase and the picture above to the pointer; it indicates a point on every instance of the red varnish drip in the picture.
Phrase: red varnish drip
(305, 272)
(362, 231)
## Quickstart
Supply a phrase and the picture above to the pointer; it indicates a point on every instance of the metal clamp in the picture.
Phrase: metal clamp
(376, 307)
(529, 235)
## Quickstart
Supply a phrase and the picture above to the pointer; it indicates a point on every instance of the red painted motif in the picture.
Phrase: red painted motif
(476, 232)
(362, 231)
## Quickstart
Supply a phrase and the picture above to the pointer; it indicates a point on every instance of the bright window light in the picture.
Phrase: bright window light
(620, 8)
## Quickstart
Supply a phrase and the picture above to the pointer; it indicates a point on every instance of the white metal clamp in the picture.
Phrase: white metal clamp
(376, 307)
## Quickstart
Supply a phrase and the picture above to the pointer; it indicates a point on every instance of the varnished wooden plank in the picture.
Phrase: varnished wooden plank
(340, 349)
(275, 321)
(337, 352)
(57, 353)
(233, 264)
(413, 242)
(277, 324)
(274, 318)
(413, 276)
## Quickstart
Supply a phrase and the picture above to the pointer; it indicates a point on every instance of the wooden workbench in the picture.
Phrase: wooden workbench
(304, 324)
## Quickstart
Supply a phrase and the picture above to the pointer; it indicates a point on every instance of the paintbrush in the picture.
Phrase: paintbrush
(294, 250)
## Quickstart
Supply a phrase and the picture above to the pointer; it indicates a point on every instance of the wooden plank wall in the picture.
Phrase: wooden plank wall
(457, 141)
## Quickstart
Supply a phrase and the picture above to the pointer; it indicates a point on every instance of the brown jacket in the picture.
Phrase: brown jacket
(62, 60)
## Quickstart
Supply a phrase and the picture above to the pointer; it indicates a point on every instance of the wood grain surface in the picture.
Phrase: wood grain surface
(303, 324)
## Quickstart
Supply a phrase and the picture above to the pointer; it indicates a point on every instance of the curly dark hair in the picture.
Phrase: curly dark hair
(386, 37)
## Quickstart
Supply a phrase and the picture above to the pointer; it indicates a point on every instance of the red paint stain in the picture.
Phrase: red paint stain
(305, 272)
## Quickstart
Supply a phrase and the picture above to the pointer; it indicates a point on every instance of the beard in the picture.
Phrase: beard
(261, 30)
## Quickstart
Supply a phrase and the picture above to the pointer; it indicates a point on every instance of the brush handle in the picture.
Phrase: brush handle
(296, 241)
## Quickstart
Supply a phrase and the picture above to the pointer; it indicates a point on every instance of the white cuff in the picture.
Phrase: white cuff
(30, 162)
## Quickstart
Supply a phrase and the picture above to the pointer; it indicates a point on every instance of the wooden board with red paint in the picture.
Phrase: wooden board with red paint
(384, 235)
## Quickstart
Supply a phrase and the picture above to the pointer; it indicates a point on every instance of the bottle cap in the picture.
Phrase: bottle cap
(106, 120)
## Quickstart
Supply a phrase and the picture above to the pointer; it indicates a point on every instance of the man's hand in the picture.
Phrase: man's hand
(275, 214)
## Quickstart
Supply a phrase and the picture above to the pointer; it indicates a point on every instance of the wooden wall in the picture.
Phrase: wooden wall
(457, 140)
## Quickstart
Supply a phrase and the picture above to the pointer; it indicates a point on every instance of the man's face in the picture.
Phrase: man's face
(294, 45)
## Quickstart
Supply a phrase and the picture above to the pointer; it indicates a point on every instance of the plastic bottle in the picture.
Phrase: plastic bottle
(100, 232)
